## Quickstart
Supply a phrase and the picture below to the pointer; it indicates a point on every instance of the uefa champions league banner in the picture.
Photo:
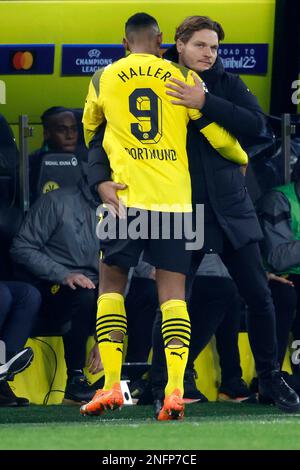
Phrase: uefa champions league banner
(86, 59)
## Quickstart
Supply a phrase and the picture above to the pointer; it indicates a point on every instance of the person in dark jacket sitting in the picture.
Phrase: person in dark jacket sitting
(60, 136)
(19, 306)
(279, 213)
(56, 249)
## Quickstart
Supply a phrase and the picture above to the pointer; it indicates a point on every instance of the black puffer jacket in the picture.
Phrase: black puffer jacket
(216, 182)
(58, 237)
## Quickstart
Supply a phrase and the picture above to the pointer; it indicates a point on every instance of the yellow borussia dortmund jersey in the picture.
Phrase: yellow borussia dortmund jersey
(145, 136)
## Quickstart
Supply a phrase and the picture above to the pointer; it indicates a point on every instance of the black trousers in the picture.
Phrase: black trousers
(296, 324)
(141, 304)
(19, 306)
(214, 308)
(246, 269)
(78, 307)
(287, 307)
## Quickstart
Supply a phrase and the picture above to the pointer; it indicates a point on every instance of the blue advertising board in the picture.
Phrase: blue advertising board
(86, 59)
(244, 58)
(28, 59)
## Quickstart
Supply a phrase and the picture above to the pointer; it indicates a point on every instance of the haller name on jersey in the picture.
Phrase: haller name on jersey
(156, 72)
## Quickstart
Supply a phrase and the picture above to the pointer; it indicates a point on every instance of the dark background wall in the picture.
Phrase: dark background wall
(286, 56)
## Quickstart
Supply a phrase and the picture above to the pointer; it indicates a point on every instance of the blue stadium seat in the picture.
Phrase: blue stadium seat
(58, 170)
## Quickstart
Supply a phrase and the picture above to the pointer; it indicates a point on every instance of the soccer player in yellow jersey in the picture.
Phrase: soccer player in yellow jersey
(145, 140)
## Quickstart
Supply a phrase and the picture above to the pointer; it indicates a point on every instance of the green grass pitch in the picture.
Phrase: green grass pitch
(206, 426)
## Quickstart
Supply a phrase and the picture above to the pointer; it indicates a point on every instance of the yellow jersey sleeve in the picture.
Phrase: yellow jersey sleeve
(93, 115)
(225, 143)
(220, 139)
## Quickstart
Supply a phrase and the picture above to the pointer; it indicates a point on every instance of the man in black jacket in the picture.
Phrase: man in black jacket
(231, 225)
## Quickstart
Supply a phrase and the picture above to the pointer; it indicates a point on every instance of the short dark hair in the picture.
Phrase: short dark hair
(53, 111)
(140, 21)
(191, 24)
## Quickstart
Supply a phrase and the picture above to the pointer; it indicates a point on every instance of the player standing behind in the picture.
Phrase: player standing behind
(145, 140)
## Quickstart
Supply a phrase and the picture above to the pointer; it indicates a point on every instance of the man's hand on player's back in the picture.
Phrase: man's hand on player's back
(108, 194)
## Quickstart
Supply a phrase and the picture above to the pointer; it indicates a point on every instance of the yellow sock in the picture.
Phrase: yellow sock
(175, 326)
(111, 317)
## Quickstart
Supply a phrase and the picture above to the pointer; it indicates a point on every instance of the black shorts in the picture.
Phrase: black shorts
(161, 236)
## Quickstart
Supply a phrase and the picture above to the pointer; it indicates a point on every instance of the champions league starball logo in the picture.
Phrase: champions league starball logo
(94, 53)
(296, 354)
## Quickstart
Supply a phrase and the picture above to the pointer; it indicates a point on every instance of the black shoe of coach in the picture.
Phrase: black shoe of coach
(274, 390)
(78, 390)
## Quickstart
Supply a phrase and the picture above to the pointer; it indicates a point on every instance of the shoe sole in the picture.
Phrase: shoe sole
(269, 401)
(223, 398)
(99, 412)
(171, 414)
(15, 369)
(175, 414)
(116, 405)
(84, 412)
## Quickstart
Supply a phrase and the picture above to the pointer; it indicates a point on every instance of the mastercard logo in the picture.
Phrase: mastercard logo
(22, 60)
